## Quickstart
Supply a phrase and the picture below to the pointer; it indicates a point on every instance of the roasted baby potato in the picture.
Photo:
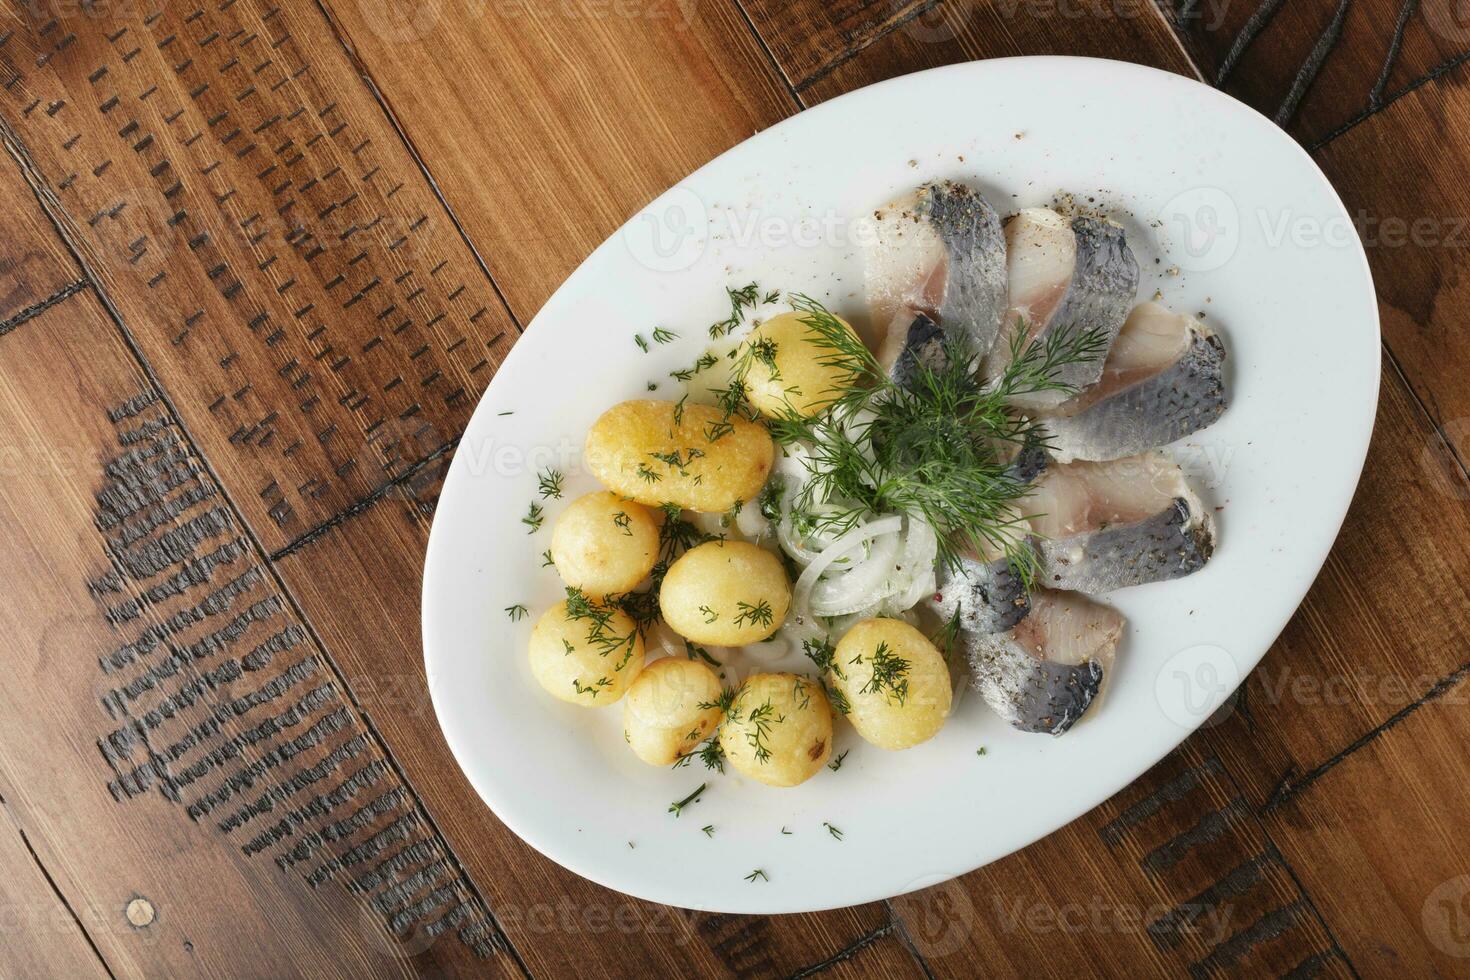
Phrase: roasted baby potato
(658, 452)
(604, 544)
(792, 365)
(727, 593)
(585, 653)
(778, 729)
(671, 708)
(893, 682)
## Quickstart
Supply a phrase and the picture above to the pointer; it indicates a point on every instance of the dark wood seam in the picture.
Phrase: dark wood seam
(1434, 74)
(848, 953)
(352, 510)
(853, 50)
(770, 55)
(1375, 97)
(371, 84)
(53, 210)
(60, 897)
(36, 309)
(1312, 66)
(1249, 31)
(901, 929)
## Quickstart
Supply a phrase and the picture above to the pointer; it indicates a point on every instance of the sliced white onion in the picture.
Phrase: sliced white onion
(841, 548)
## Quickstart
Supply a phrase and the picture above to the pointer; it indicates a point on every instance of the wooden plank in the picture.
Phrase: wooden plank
(43, 935)
(548, 125)
(270, 243)
(179, 736)
(366, 613)
(34, 264)
(825, 49)
(1316, 65)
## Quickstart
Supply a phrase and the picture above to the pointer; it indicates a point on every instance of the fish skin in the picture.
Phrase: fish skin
(1098, 299)
(974, 302)
(1183, 398)
(1175, 542)
(923, 348)
(988, 596)
(1032, 690)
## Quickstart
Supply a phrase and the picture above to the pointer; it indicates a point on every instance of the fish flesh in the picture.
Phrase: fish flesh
(1043, 673)
(1163, 379)
(980, 594)
(1067, 278)
(1110, 525)
(939, 252)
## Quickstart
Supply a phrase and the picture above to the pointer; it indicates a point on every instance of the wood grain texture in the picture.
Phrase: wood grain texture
(1318, 65)
(43, 935)
(561, 923)
(548, 124)
(825, 49)
(265, 236)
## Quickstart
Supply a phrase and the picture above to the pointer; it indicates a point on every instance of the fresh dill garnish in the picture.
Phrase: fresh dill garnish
(546, 559)
(772, 296)
(506, 413)
(624, 522)
(725, 703)
(648, 475)
(709, 614)
(663, 335)
(593, 689)
(516, 612)
(708, 829)
(704, 361)
(601, 635)
(717, 430)
(759, 614)
(712, 754)
(677, 808)
(980, 750)
(757, 873)
(760, 719)
(534, 518)
(939, 448)
(785, 832)
(548, 484)
(653, 386)
(824, 655)
(832, 830)
(742, 299)
(836, 763)
(889, 672)
(695, 652)
(642, 344)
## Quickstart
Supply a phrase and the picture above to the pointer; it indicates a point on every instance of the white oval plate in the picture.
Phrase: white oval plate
(1262, 246)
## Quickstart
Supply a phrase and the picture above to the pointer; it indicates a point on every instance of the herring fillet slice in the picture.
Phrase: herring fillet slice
(1111, 525)
(1042, 674)
(1065, 277)
(940, 252)
(1163, 379)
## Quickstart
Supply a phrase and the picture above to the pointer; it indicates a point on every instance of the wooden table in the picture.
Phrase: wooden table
(260, 258)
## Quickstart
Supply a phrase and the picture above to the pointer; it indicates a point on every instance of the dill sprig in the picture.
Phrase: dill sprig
(677, 808)
(534, 518)
(937, 449)
(745, 298)
(889, 671)
(549, 484)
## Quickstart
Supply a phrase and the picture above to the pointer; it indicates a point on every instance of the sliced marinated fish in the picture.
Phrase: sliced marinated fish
(938, 251)
(1163, 379)
(1066, 278)
(1042, 674)
(1110, 525)
(983, 590)
(923, 348)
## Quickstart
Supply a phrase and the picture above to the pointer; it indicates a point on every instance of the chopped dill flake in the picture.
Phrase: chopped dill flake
(785, 832)
(642, 344)
(760, 614)
(709, 829)
(653, 386)
(772, 296)
(624, 522)
(888, 672)
(836, 763)
(516, 612)
(741, 300)
(663, 335)
(546, 560)
(695, 652)
(505, 413)
(832, 830)
(534, 518)
(548, 484)
(593, 689)
(648, 475)
(980, 750)
(709, 614)
(677, 808)
(757, 873)
(630, 845)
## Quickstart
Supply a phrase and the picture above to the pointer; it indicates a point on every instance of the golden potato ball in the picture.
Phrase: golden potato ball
(604, 544)
(670, 709)
(779, 729)
(587, 659)
(726, 593)
(895, 682)
(692, 456)
(791, 366)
